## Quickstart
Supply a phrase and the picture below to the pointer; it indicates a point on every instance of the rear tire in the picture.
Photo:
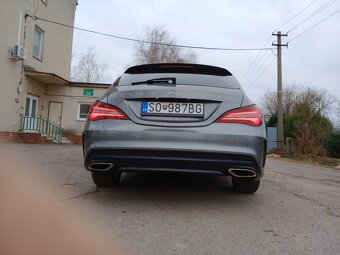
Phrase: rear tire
(106, 179)
(245, 185)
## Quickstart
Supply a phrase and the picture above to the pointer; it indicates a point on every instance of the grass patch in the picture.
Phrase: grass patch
(314, 160)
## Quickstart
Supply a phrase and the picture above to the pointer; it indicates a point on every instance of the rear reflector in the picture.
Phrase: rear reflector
(100, 111)
(249, 115)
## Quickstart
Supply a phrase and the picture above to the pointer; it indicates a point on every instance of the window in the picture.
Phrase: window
(116, 82)
(38, 42)
(83, 109)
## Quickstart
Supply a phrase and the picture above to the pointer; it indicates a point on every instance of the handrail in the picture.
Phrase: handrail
(41, 124)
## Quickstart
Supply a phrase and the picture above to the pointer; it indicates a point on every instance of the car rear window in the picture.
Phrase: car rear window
(185, 74)
(183, 79)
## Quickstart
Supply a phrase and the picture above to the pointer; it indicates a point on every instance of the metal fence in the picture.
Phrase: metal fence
(42, 125)
(271, 138)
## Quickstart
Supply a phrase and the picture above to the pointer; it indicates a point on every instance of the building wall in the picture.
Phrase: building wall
(70, 97)
(33, 88)
(56, 58)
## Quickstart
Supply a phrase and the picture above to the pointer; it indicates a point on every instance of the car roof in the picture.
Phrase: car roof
(178, 68)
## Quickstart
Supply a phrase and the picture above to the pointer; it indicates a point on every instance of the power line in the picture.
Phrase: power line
(253, 63)
(257, 69)
(323, 7)
(296, 15)
(262, 72)
(314, 25)
(149, 42)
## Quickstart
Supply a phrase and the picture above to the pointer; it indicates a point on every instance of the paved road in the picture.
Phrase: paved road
(295, 211)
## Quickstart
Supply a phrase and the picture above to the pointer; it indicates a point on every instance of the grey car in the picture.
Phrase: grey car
(176, 118)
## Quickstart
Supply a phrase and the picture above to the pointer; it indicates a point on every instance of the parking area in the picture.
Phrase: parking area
(295, 211)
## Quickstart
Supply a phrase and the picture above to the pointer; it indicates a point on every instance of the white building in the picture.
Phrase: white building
(36, 95)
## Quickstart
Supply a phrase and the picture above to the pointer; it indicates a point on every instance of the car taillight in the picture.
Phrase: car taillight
(249, 115)
(100, 111)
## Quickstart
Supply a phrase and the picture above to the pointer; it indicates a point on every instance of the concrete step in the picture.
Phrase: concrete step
(65, 140)
(48, 139)
(33, 137)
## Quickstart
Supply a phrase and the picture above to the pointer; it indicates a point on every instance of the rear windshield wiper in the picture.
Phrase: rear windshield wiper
(167, 80)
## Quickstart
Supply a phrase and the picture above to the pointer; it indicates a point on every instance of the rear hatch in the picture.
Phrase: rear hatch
(176, 99)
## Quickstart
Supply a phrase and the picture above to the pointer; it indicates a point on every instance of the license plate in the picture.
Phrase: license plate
(172, 109)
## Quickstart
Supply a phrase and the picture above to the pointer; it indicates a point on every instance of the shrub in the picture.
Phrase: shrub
(333, 145)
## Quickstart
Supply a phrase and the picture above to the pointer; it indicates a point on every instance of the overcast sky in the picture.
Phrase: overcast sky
(312, 60)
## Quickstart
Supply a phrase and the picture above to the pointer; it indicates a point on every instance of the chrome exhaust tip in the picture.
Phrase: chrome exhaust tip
(242, 172)
(100, 166)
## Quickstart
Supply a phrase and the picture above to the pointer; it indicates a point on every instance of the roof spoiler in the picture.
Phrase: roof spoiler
(178, 68)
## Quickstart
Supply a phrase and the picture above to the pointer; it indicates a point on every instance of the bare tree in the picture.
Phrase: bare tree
(149, 53)
(288, 99)
(311, 126)
(305, 114)
(87, 68)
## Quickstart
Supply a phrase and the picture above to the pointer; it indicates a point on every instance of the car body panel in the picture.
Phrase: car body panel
(176, 143)
(216, 102)
(217, 138)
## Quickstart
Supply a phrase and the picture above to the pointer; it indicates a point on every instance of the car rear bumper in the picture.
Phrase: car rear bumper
(178, 161)
(211, 149)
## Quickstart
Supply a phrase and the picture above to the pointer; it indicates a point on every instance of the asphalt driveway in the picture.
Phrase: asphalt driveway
(295, 211)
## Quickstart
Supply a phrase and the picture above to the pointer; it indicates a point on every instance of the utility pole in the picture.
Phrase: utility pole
(280, 138)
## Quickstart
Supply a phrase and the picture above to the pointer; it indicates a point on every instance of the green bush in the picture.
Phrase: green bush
(333, 145)
(288, 121)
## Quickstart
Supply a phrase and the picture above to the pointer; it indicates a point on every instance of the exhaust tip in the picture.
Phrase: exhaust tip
(100, 166)
(242, 172)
